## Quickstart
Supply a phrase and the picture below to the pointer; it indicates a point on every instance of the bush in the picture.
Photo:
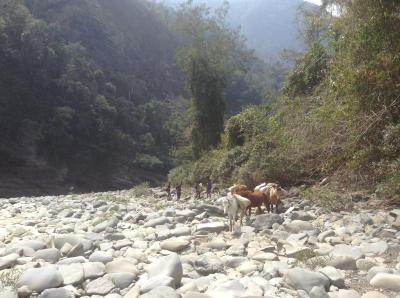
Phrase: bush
(141, 189)
(9, 278)
(329, 196)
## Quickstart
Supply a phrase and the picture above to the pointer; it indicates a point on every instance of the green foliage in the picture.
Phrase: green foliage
(309, 72)
(308, 259)
(330, 197)
(62, 105)
(141, 189)
(212, 53)
(338, 113)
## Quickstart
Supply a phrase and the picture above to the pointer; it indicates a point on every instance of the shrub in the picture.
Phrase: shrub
(141, 189)
(329, 196)
(9, 278)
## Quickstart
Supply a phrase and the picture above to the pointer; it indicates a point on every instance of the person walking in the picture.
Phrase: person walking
(208, 188)
(178, 189)
(168, 190)
(197, 190)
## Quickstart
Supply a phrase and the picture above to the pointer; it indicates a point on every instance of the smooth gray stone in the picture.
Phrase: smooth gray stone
(167, 266)
(121, 280)
(50, 255)
(301, 279)
(39, 279)
(57, 293)
(161, 292)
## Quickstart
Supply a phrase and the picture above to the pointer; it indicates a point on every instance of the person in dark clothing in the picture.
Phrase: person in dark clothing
(197, 190)
(168, 190)
(178, 191)
(208, 188)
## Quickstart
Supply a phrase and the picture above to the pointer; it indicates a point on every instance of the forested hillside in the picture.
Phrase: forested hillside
(338, 115)
(84, 94)
(91, 96)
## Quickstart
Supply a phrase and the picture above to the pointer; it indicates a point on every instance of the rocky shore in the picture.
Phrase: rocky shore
(115, 244)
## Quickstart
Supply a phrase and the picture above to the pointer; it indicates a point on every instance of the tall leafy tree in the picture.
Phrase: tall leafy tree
(212, 51)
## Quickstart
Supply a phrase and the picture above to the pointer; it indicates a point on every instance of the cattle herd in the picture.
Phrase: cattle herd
(240, 200)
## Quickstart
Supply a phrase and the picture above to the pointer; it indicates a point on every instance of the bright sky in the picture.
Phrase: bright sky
(318, 2)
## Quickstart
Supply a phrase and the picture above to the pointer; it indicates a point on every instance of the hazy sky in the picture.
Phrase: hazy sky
(319, 2)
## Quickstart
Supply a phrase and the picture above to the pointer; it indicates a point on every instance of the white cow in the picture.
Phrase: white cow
(234, 205)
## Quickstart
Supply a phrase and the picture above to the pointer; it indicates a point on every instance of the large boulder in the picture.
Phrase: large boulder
(156, 222)
(39, 279)
(122, 265)
(318, 292)
(161, 292)
(34, 244)
(343, 250)
(121, 280)
(345, 294)
(101, 227)
(343, 263)
(378, 269)
(386, 281)
(101, 256)
(301, 279)
(210, 209)
(175, 245)
(228, 289)
(93, 270)
(212, 227)
(72, 274)
(8, 261)
(297, 226)
(335, 277)
(73, 240)
(50, 255)
(57, 293)
(155, 282)
(379, 247)
(265, 221)
(99, 286)
(167, 266)
(208, 264)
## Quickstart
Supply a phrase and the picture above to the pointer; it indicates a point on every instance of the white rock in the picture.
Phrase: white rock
(72, 274)
(99, 286)
(386, 281)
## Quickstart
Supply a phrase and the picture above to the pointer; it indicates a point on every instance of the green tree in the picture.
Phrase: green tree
(211, 53)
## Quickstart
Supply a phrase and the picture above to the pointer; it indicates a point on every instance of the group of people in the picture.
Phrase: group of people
(198, 189)
(178, 190)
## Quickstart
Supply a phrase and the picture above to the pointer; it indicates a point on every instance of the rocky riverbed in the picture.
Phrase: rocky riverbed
(116, 245)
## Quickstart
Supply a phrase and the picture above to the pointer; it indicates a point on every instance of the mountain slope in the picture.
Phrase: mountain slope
(82, 95)
(123, 37)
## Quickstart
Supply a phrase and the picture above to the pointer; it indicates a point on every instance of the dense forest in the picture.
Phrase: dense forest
(91, 96)
(98, 95)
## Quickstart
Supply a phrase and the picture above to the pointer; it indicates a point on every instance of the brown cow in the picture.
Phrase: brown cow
(257, 198)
